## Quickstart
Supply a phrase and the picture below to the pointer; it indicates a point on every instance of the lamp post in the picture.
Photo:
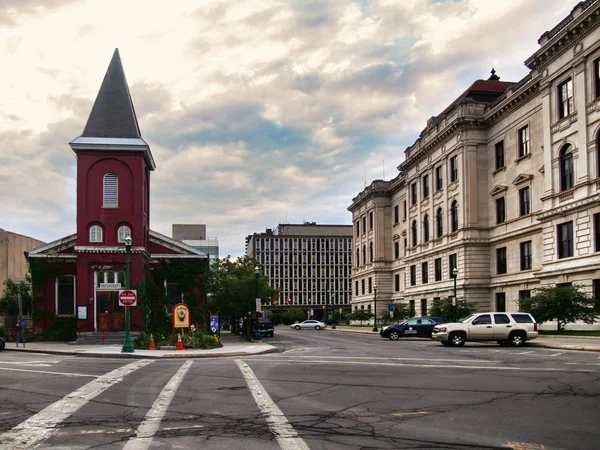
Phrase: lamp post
(256, 336)
(455, 276)
(327, 302)
(375, 316)
(127, 345)
(332, 315)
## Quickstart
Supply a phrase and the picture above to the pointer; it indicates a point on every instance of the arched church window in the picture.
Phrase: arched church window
(110, 190)
(96, 233)
(123, 232)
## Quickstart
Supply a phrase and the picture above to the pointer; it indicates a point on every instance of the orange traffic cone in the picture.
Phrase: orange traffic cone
(179, 343)
(152, 347)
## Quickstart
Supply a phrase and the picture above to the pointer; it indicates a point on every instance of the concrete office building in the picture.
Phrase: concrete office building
(310, 264)
(194, 235)
(501, 190)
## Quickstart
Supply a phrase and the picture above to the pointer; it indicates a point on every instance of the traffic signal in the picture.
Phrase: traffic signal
(288, 301)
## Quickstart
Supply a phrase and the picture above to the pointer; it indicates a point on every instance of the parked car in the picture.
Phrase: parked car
(2, 344)
(415, 327)
(265, 327)
(309, 324)
(505, 328)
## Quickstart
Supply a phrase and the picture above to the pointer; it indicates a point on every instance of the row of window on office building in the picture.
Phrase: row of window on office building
(275, 257)
(308, 271)
(305, 244)
(315, 297)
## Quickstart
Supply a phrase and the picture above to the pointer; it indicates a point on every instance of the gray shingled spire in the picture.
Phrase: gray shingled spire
(113, 115)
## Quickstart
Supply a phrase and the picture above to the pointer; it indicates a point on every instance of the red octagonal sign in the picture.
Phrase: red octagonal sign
(127, 297)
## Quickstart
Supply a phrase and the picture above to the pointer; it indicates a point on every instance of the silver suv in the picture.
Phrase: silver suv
(505, 328)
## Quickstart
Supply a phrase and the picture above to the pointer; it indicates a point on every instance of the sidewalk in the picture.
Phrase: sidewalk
(580, 343)
(235, 346)
(232, 346)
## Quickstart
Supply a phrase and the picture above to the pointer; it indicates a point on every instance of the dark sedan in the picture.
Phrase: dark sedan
(415, 327)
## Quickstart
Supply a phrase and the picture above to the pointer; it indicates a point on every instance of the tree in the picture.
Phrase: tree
(9, 301)
(293, 315)
(231, 287)
(401, 312)
(443, 308)
(361, 315)
(565, 304)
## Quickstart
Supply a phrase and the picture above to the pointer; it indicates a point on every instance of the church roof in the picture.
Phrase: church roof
(112, 125)
(113, 115)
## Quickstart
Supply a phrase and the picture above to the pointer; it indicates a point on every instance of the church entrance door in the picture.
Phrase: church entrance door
(111, 316)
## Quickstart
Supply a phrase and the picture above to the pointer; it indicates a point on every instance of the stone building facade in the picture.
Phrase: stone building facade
(13, 264)
(500, 193)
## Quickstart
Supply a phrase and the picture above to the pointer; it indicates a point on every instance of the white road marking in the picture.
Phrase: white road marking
(66, 374)
(41, 425)
(556, 354)
(583, 364)
(286, 436)
(442, 366)
(148, 428)
(378, 358)
(29, 363)
(523, 353)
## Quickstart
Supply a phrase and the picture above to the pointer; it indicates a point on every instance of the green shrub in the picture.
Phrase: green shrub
(194, 339)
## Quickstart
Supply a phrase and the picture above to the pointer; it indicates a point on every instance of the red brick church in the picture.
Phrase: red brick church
(78, 276)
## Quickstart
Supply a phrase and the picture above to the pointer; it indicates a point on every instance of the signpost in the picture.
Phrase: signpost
(181, 316)
(214, 324)
(127, 297)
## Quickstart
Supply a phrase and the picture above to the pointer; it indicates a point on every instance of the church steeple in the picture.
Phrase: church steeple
(112, 125)
(113, 115)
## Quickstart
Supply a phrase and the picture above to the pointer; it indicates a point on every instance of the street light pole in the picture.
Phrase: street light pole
(127, 345)
(375, 316)
(256, 336)
(327, 302)
(455, 276)
(332, 314)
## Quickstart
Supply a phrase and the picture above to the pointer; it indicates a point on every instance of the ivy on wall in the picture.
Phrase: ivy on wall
(190, 274)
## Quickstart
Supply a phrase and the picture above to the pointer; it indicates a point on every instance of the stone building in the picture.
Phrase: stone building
(500, 192)
(13, 264)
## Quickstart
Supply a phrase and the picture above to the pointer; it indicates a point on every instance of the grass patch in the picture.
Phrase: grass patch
(571, 333)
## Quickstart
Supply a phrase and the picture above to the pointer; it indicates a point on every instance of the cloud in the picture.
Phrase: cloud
(257, 112)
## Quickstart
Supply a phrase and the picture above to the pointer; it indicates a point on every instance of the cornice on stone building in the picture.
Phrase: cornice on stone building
(584, 17)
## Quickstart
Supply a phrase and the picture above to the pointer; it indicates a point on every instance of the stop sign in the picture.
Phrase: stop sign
(127, 297)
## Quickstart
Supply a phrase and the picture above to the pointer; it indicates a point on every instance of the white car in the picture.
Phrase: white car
(309, 324)
(506, 328)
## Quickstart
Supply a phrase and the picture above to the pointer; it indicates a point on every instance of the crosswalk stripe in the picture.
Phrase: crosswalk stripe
(284, 432)
(41, 425)
(148, 428)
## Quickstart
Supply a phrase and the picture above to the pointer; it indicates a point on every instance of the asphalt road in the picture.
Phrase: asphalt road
(325, 390)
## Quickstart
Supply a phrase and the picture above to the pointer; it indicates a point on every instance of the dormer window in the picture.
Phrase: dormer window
(110, 190)
(96, 233)
(122, 233)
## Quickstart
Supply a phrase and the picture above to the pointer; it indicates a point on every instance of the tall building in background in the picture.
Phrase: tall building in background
(13, 264)
(310, 264)
(194, 235)
(500, 193)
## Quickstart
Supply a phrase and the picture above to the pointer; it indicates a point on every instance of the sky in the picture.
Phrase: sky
(257, 112)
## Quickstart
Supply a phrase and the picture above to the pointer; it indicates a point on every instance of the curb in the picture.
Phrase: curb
(141, 356)
(579, 349)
